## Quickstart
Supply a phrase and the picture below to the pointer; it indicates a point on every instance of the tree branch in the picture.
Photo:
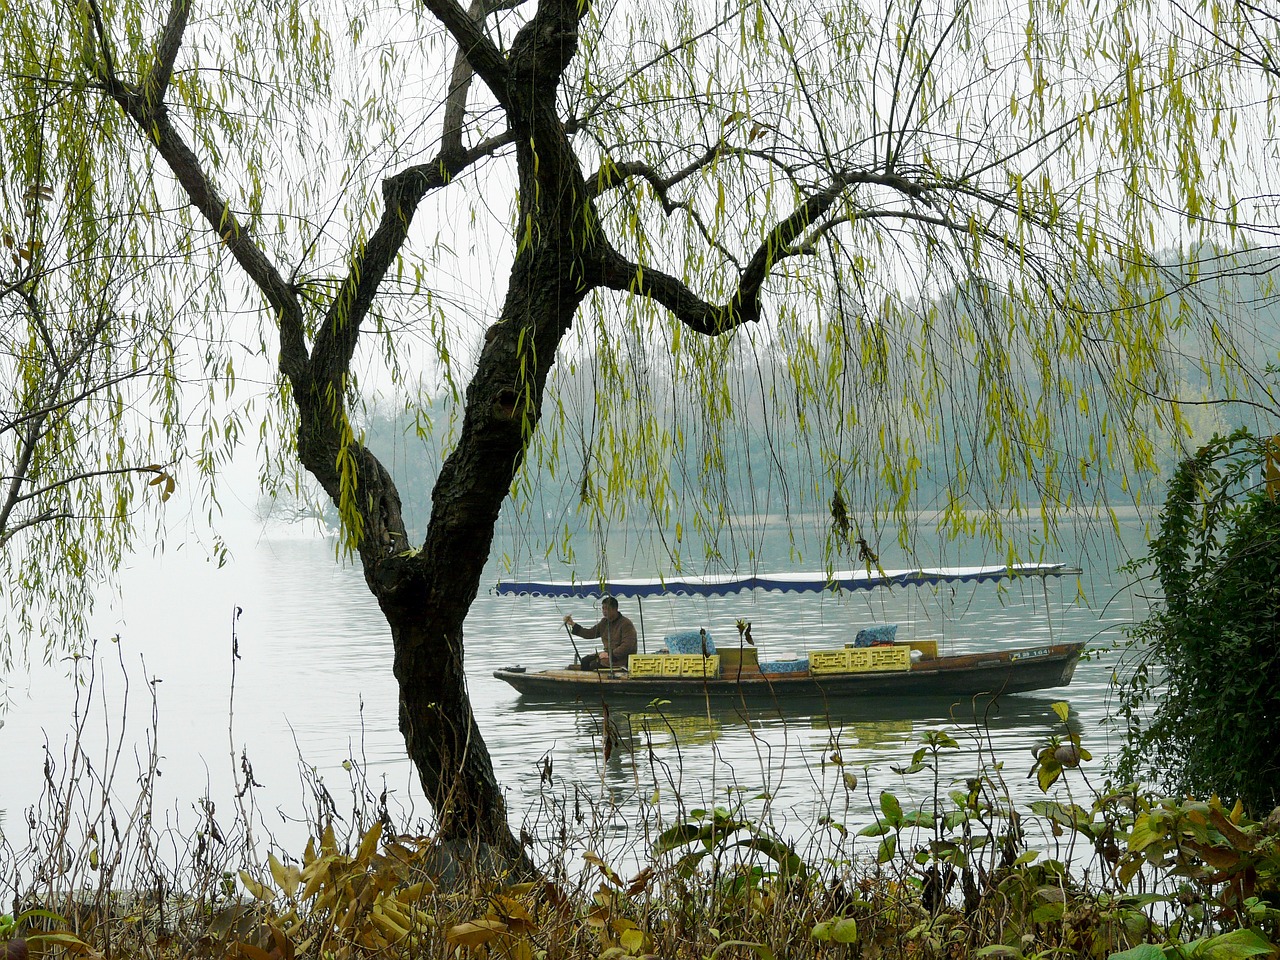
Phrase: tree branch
(618, 273)
(611, 175)
(71, 401)
(104, 44)
(8, 534)
(473, 44)
(402, 192)
(26, 449)
(1260, 56)
(700, 316)
(35, 310)
(153, 120)
(455, 105)
(67, 481)
(336, 340)
(156, 82)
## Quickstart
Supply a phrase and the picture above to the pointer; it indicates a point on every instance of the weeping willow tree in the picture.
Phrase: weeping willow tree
(89, 380)
(886, 224)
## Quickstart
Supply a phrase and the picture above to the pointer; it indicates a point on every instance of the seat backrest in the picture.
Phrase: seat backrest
(880, 633)
(690, 641)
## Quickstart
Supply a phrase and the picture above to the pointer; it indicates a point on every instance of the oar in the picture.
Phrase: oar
(577, 658)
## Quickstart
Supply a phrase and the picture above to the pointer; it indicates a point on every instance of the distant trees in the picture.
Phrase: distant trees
(889, 199)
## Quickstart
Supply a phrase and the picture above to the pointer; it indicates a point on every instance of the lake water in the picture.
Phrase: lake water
(313, 689)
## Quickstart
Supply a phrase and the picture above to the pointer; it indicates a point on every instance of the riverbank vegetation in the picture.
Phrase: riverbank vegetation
(945, 867)
(1200, 694)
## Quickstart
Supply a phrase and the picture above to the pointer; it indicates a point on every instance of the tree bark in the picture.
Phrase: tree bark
(425, 597)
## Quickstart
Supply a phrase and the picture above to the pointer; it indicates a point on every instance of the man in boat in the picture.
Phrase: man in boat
(617, 632)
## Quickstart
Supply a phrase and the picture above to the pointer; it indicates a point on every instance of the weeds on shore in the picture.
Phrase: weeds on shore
(1113, 873)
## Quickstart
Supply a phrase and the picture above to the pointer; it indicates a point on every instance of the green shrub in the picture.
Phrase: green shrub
(1202, 699)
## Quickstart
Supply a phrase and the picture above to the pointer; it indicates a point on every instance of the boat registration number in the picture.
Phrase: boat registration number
(1029, 654)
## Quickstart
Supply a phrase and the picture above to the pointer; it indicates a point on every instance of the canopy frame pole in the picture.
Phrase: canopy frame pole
(640, 609)
(1048, 611)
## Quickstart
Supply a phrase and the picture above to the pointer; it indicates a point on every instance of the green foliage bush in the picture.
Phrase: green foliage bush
(1202, 701)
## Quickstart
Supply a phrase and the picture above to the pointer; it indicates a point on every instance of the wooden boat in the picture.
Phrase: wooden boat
(916, 670)
(959, 677)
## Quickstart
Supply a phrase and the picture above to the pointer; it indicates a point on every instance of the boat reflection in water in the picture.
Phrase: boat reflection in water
(875, 726)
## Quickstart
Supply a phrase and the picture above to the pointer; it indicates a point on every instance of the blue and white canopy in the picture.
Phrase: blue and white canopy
(714, 585)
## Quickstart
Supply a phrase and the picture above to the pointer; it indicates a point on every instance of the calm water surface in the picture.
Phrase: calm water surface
(313, 688)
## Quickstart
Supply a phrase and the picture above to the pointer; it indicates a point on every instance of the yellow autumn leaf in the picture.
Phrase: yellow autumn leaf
(522, 889)
(259, 890)
(593, 858)
(416, 891)
(287, 878)
(510, 909)
(475, 933)
(328, 842)
(388, 925)
(369, 844)
(636, 942)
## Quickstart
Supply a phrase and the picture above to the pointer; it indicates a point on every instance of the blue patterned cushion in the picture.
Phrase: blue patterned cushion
(884, 633)
(800, 665)
(690, 641)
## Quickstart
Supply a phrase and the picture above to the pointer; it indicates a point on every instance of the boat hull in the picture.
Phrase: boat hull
(963, 675)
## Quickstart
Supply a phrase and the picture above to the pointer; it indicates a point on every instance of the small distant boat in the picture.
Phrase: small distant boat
(898, 669)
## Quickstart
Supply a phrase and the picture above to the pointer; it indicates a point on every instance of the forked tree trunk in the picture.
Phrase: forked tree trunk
(427, 598)
(426, 595)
